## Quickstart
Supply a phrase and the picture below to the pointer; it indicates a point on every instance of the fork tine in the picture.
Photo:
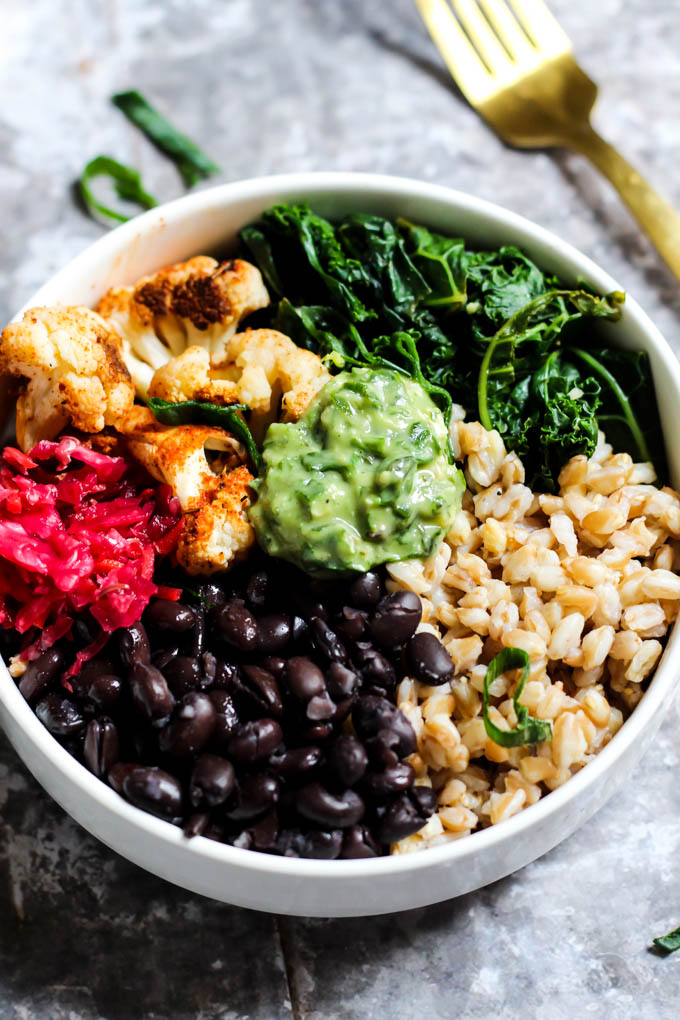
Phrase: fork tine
(483, 38)
(540, 26)
(509, 31)
(469, 72)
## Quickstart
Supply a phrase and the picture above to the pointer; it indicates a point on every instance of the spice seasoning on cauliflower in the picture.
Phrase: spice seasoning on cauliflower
(195, 303)
(75, 374)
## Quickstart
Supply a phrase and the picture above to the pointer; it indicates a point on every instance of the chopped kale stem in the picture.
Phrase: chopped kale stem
(198, 412)
(192, 162)
(670, 943)
(126, 181)
(529, 730)
(626, 409)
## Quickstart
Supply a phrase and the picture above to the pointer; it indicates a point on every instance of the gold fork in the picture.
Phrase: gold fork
(514, 64)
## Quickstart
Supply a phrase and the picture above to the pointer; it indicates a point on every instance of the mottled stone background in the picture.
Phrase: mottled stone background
(351, 85)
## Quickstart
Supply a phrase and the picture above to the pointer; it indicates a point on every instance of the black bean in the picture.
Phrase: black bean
(275, 633)
(40, 673)
(365, 590)
(238, 626)
(394, 779)
(259, 589)
(407, 813)
(320, 708)
(257, 693)
(133, 645)
(99, 666)
(330, 810)
(199, 632)
(352, 624)
(255, 796)
(383, 749)
(371, 714)
(226, 675)
(243, 841)
(190, 727)
(212, 781)
(375, 669)
(300, 628)
(161, 658)
(226, 716)
(303, 678)
(104, 690)
(326, 641)
(323, 845)
(60, 716)
(197, 824)
(149, 788)
(210, 595)
(254, 741)
(307, 606)
(297, 763)
(208, 670)
(427, 659)
(183, 674)
(317, 732)
(264, 832)
(100, 750)
(341, 681)
(358, 843)
(342, 710)
(166, 615)
(151, 693)
(85, 630)
(347, 759)
(395, 618)
(320, 844)
(274, 664)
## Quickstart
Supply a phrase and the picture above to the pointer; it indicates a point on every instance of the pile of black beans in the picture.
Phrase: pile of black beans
(259, 712)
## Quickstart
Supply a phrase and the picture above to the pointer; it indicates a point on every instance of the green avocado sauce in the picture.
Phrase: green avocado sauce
(364, 477)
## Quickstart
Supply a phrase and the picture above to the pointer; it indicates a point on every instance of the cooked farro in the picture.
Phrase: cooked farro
(585, 581)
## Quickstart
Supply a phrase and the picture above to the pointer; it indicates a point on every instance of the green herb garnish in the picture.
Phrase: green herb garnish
(529, 730)
(192, 163)
(126, 181)
(669, 942)
(196, 412)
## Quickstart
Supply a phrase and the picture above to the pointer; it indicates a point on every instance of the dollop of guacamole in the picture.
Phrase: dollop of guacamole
(364, 477)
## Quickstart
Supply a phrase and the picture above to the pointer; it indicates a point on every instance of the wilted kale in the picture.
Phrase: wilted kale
(487, 330)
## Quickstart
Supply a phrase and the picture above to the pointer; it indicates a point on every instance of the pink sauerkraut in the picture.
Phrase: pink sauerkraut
(77, 535)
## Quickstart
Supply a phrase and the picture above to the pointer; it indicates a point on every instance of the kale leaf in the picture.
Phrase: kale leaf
(198, 412)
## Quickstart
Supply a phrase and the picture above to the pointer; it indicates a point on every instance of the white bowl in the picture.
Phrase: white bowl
(207, 221)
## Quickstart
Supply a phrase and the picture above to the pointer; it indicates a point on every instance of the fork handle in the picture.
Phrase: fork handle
(656, 216)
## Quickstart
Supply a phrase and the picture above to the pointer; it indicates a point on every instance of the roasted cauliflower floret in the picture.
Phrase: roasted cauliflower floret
(191, 459)
(190, 376)
(72, 370)
(199, 302)
(260, 368)
(219, 534)
(203, 466)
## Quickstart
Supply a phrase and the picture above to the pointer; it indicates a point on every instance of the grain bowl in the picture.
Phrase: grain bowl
(505, 537)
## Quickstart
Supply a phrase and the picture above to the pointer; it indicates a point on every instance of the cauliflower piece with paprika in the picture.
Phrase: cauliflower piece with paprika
(204, 467)
(259, 367)
(71, 370)
(195, 303)
(219, 534)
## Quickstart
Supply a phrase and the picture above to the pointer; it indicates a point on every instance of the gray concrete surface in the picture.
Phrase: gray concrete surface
(353, 85)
